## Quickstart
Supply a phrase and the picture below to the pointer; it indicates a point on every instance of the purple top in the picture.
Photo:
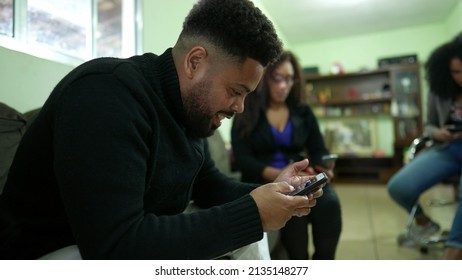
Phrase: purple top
(281, 139)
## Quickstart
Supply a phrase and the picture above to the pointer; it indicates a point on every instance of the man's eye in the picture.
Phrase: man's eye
(235, 92)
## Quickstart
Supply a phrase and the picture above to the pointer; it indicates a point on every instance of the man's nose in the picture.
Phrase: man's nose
(238, 106)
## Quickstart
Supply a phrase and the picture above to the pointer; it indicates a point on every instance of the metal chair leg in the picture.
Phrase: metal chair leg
(409, 239)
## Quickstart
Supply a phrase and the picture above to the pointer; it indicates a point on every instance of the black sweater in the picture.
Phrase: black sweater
(109, 166)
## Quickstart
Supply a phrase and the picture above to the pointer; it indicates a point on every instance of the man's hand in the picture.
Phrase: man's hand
(444, 135)
(295, 175)
(292, 173)
(275, 207)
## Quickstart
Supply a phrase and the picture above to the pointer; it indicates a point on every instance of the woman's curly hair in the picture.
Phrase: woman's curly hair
(437, 69)
(237, 27)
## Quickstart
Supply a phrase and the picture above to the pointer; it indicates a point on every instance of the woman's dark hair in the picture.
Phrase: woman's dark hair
(237, 27)
(438, 72)
(257, 102)
(458, 38)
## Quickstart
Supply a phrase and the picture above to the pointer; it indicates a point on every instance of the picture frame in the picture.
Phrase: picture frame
(351, 137)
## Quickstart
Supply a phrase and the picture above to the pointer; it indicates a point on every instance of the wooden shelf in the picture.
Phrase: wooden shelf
(346, 75)
(350, 102)
(365, 170)
(340, 100)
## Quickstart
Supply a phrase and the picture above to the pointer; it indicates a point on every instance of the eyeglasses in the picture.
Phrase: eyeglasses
(278, 78)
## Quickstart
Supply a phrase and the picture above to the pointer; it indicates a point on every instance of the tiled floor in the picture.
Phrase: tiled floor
(372, 223)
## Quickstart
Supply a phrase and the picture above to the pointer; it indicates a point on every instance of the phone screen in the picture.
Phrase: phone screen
(311, 185)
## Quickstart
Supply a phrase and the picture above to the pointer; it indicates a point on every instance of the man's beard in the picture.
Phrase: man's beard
(197, 110)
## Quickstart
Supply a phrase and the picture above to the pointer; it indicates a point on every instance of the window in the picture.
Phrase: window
(62, 25)
(6, 17)
(77, 29)
(112, 29)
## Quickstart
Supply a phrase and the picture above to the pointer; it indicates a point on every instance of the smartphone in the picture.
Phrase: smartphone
(329, 160)
(311, 185)
(454, 128)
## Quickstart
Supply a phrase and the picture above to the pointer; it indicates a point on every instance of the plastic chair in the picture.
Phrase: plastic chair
(407, 238)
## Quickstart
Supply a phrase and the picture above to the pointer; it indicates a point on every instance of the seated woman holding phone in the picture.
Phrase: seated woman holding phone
(444, 119)
(277, 128)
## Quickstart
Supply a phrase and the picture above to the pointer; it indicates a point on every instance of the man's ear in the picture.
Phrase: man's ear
(195, 61)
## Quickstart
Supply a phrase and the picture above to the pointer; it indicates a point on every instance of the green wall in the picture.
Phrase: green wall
(454, 22)
(26, 80)
(162, 22)
(362, 52)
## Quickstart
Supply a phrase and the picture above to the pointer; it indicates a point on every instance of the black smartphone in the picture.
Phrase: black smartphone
(329, 160)
(311, 185)
(454, 128)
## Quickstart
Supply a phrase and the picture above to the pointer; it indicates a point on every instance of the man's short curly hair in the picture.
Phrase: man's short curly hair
(237, 27)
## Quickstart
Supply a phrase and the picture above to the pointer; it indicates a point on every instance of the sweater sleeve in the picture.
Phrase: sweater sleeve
(432, 121)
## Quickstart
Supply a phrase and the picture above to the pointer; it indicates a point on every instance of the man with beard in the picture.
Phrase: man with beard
(118, 151)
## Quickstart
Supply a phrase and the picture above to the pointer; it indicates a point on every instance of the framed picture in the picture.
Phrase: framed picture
(351, 137)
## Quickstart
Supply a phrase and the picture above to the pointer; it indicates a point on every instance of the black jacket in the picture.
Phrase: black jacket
(108, 165)
(252, 155)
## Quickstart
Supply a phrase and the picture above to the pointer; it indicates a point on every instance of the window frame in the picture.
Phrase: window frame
(18, 42)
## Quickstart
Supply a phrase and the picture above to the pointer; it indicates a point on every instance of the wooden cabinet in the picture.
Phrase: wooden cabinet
(406, 107)
(368, 118)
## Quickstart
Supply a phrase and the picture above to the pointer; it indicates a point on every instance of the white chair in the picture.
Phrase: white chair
(67, 253)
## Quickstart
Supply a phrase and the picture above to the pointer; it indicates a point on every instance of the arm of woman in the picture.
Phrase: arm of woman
(433, 127)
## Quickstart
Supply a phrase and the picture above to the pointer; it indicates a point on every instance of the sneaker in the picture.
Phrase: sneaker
(405, 240)
(428, 229)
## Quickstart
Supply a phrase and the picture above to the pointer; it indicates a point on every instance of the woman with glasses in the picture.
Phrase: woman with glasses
(277, 128)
